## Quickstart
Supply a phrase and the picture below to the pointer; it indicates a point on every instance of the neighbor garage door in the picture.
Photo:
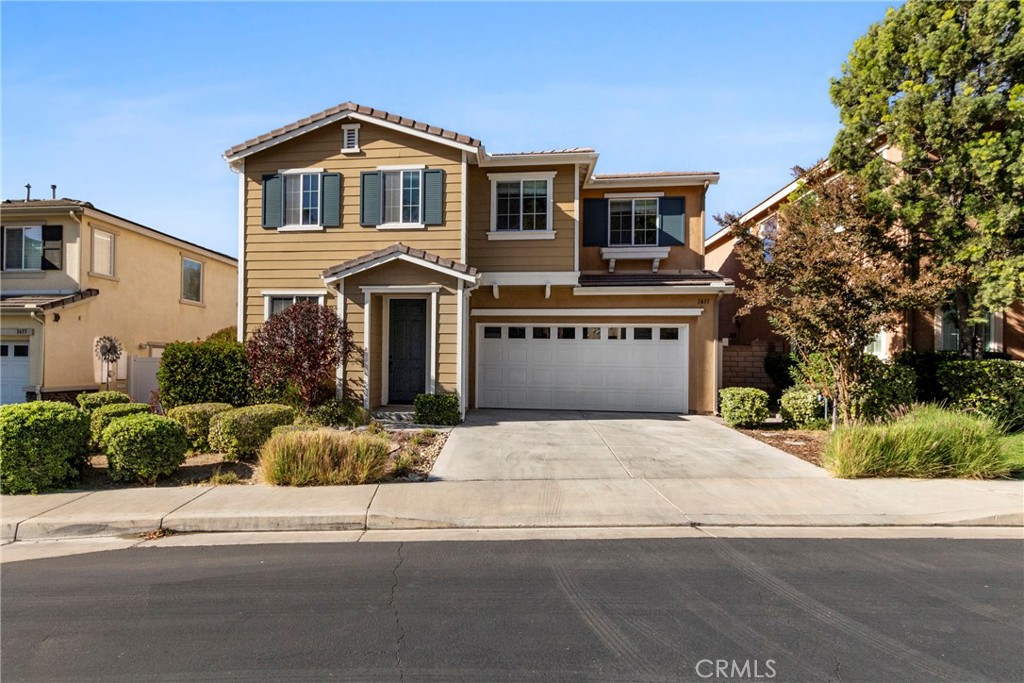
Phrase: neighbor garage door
(582, 367)
(13, 372)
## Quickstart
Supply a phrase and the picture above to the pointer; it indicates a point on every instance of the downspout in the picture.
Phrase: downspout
(42, 356)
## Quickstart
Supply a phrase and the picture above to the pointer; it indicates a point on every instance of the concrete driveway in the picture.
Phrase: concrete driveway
(551, 444)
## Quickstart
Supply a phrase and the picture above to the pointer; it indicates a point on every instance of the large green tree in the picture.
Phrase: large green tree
(941, 83)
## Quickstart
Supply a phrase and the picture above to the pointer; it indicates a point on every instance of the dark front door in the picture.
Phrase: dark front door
(407, 350)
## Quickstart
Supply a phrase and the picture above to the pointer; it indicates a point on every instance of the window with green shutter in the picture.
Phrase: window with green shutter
(302, 200)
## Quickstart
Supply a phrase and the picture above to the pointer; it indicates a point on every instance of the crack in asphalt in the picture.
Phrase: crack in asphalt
(398, 619)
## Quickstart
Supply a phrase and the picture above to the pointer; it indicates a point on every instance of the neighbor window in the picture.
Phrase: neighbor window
(633, 222)
(768, 229)
(276, 304)
(23, 248)
(949, 337)
(302, 199)
(191, 280)
(102, 253)
(521, 203)
(403, 196)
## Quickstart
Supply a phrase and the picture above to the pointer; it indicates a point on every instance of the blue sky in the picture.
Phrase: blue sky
(130, 105)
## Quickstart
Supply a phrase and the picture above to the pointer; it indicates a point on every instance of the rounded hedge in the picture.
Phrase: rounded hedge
(44, 444)
(800, 406)
(104, 415)
(339, 412)
(144, 447)
(90, 401)
(240, 432)
(744, 406)
(195, 418)
(221, 365)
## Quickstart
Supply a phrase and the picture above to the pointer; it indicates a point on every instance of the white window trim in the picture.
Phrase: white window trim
(7, 241)
(495, 178)
(345, 128)
(202, 282)
(632, 222)
(269, 294)
(93, 271)
(633, 195)
(298, 227)
(522, 235)
(400, 169)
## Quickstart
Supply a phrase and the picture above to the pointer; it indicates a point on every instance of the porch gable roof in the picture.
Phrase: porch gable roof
(401, 252)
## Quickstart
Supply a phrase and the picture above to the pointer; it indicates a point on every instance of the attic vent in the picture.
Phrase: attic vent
(350, 137)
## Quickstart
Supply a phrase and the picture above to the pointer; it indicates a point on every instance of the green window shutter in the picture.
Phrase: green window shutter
(369, 199)
(273, 201)
(330, 200)
(595, 222)
(433, 197)
(53, 247)
(672, 211)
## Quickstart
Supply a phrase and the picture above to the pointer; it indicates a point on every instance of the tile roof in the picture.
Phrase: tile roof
(46, 203)
(655, 174)
(359, 109)
(399, 248)
(43, 302)
(689, 277)
(567, 150)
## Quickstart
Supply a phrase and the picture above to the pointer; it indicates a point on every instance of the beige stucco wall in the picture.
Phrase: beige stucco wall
(686, 257)
(397, 273)
(489, 255)
(140, 304)
(295, 260)
(701, 328)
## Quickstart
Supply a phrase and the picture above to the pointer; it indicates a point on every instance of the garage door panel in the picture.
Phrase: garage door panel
(584, 374)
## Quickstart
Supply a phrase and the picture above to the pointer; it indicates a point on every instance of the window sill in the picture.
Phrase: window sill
(350, 150)
(401, 226)
(186, 302)
(301, 228)
(628, 252)
(25, 274)
(521, 235)
(104, 276)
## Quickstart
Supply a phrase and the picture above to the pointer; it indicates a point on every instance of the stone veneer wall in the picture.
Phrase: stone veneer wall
(743, 366)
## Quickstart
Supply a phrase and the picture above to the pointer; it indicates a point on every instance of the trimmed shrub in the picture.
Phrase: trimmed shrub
(239, 433)
(195, 418)
(437, 409)
(743, 406)
(225, 335)
(992, 388)
(92, 400)
(925, 365)
(143, 447)
(927, 442)
(801, 406)
(104, 415)
(204, 372)
(44, 445)
(884, 387)
(340, 413)
(324, 457)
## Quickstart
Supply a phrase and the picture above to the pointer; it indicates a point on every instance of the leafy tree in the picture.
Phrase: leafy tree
(941, 82)
(301, 346)
(830, 276)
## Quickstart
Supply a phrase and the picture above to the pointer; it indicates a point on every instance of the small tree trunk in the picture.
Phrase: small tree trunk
(964, 330)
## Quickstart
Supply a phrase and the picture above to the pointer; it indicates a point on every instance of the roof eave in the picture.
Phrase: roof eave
(651, 181)
(488, 160)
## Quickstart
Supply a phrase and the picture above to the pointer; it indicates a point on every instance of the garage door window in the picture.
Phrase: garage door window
(642, 333)
(591, 332)
(542, 333)
(492, 333)
(517, 333)
(617, 333)
(566, 332)
(669, 333)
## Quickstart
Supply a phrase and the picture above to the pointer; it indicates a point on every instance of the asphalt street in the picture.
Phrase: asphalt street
(622, 610)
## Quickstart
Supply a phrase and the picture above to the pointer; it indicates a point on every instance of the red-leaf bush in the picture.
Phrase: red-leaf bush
(301, 346)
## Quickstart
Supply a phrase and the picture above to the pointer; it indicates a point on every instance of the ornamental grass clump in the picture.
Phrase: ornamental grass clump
(927, 442)
(324, 457)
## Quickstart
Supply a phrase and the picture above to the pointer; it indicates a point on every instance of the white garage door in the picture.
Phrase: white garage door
(580, 367)
(13, 372)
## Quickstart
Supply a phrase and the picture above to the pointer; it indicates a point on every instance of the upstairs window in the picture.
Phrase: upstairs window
(768, 229)
(403, 196)
(521, 202)
(633, 222)
(191, 280)
(23, 248)
(302, 199)
(102, 253)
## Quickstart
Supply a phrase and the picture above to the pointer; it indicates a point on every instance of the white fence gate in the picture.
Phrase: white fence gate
(142, 377)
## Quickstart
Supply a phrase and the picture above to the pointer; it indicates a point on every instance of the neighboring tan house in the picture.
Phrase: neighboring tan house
(72, 273)
(517, 280)
(748, 338)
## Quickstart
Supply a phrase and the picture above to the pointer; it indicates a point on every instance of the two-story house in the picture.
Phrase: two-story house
(517, 280)
(72, 273)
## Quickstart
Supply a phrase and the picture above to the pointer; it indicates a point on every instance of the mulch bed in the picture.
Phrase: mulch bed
(421, 450)
(804, 444)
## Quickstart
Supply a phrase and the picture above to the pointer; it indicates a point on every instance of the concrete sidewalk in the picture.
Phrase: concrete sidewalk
(790, 502)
